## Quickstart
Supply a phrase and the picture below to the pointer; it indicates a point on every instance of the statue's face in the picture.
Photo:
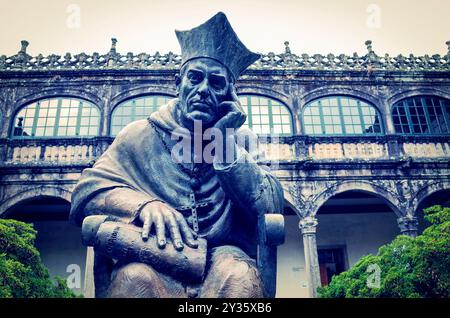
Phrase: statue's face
(204, 86)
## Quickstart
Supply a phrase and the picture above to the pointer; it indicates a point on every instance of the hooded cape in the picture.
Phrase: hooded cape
(138, 167)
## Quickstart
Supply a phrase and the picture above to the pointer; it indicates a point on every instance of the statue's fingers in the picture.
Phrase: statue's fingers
(233, 94)
(229, 107)
(242, 119)
(174, 230)
(186, 231)
(160, 229)
(146, 226)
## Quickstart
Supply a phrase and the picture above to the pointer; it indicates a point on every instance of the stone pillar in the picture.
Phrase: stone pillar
(408, 225)
(308, 227)
(89, 289)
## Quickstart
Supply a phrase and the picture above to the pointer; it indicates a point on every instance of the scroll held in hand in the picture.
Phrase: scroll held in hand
(123, 242)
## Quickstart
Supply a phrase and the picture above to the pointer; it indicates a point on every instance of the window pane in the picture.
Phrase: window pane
(48, 131)
(51, 122)
(309, 130)
(39, 132)
(52, 112)
(358, 129)
(84, 131)
(41, 121)
(71, 131)
(315, 110)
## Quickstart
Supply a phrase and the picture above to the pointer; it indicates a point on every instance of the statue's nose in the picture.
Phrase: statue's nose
(203, 89)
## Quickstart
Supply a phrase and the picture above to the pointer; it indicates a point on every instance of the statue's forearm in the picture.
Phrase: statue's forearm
(122, 202)
(247, 184)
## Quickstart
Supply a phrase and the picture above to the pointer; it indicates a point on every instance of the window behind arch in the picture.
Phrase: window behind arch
(135, 109)
(422, 115)
(341, 115)
(57, 117)
(266, 116)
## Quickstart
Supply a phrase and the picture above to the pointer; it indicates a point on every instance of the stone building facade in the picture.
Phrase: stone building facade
(362, 145)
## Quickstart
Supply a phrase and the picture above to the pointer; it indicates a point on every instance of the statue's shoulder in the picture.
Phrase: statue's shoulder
(134, 131)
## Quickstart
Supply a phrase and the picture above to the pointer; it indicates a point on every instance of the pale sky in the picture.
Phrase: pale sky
(311, 26)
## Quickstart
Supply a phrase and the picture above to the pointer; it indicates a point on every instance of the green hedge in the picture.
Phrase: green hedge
(22, 273)
(409, 267)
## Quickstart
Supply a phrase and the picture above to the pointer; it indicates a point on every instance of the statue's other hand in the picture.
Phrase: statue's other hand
(162, 217)
(233, 116)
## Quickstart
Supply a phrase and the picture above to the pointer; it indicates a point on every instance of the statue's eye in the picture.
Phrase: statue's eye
(217, 82)
(195, 77)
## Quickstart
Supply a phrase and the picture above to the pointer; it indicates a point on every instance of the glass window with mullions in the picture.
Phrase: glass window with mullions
(135, 109)
(266, 116)
(341, 115)
(419, 115)
(57, 117)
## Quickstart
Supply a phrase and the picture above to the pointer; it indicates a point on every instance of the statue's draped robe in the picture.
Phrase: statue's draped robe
(138, 167)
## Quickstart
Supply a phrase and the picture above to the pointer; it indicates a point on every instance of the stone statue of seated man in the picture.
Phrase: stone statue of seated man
(211, 193)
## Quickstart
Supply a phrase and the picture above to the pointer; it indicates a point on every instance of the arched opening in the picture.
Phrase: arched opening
(58, 242)
(55, 118)
(422, 115)
(352, 224)
(441, 197)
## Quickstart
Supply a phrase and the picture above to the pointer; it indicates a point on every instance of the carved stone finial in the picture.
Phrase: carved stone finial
(287, 49)
(24, 44)
(113, 45)
(368, 44)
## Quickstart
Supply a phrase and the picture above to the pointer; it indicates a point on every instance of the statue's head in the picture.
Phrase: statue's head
(203, 84)
(213, 57)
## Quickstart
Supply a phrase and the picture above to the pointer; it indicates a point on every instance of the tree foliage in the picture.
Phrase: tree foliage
(22, 273)
(408, 267)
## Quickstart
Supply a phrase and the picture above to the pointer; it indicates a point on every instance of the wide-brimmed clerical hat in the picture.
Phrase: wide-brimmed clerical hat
(217, 40)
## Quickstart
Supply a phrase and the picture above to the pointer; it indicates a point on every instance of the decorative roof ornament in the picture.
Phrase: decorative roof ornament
(217, 40)
(287, 49)
(113, 46)
(23, 46)
(368, 44)
(287, 60)
(448, 51)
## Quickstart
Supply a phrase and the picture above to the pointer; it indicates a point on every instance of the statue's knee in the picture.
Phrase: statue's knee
(241, 270)
(136, 273)
(233, 275)
(234, 264)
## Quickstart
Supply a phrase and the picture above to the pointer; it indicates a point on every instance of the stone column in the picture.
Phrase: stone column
(89, 289)
(308, 227)
(408, 225)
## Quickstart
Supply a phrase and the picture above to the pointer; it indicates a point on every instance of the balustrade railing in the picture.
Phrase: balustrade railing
(22, 61)
(85, 151)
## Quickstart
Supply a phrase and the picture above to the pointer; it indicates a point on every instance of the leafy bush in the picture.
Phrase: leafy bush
(409, 267)
(22, 273)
